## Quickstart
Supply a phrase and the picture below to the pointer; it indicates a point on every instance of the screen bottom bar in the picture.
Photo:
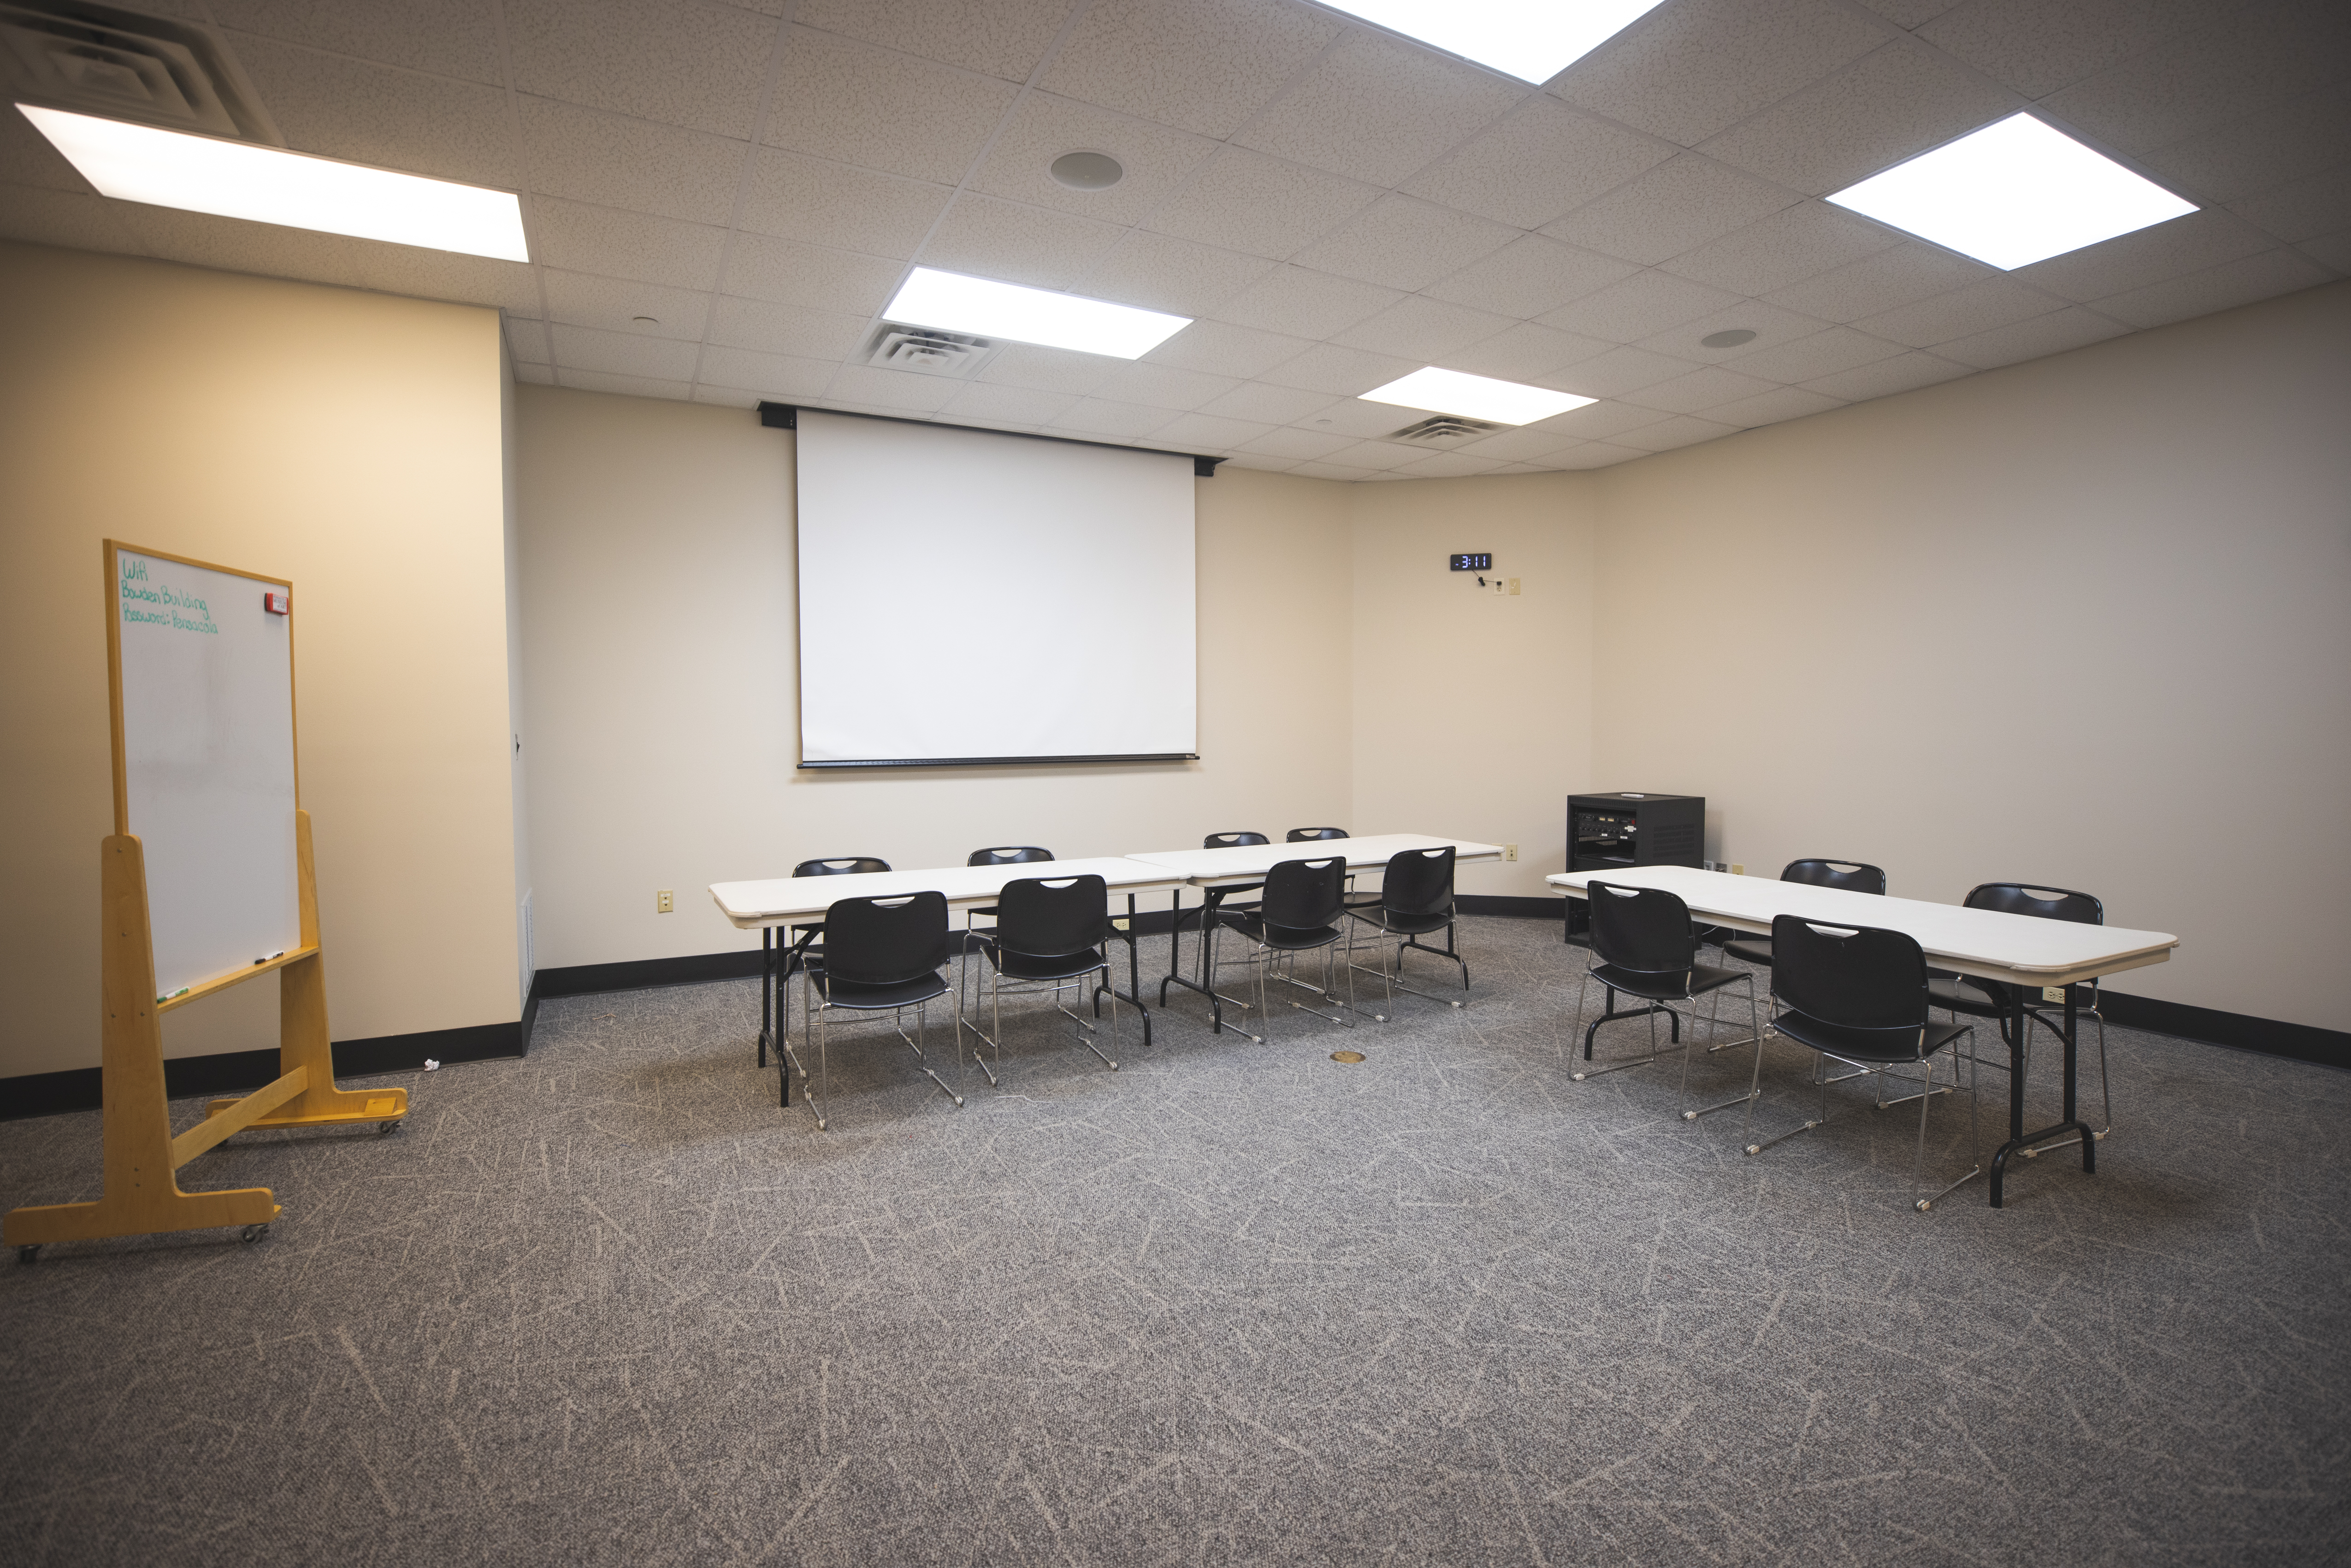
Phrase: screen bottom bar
(1008, 761)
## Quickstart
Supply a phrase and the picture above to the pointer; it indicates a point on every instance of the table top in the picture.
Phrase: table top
(777, 900)
(1250, 863)
(2021, 948)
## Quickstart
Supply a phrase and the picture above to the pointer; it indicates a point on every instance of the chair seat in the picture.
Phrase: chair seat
(1284, 938)
(1667, 986)
(843, 993)
(1041, 966)
(1851, 1044)
(1753, 949)
(1400, 923)
(1962, 994)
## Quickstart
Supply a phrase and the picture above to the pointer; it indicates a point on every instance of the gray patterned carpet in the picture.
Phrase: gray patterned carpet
(1232, 1303)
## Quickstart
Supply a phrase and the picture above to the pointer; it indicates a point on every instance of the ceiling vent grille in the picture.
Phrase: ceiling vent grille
(1444, 430)
(120, 65)
(928, 350)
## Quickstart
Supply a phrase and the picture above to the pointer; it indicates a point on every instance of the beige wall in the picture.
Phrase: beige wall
(2085, 620)
(349, 442)
(658, 594)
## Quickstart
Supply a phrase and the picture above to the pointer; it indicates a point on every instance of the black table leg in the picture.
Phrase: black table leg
(766, 972)
(2019, 1139)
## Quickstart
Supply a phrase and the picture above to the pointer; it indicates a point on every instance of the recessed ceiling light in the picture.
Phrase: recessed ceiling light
(1475, 397)
(270, 185)
(2017, 191)
(1730, 337)
(1534, 41)
(1087, 171)
(995, 309)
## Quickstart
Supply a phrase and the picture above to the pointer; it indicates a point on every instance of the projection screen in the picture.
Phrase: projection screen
(967, 596)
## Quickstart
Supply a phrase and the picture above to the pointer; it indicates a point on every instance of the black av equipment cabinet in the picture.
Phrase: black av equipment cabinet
(1627, 828)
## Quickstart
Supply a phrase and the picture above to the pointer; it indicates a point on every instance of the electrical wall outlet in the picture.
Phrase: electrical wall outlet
(1514, 585)
(1509, 852)
(1738, 870)
(665, 901)
(2053, 993)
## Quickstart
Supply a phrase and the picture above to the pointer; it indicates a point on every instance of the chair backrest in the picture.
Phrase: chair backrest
(1009, 854)
(1049, 916)
(1644, 929)
(2048, 903)
(1850, 875)
(1303, 894)
(1232, 841)
(1857, 976)
(839, 865)
(1418, 882)
(1309, 835)
(881, 941)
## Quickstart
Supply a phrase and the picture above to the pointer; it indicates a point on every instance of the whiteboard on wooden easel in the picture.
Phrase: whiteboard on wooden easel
(204, 770)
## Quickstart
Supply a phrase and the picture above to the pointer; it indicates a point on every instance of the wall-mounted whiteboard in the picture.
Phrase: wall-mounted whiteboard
(204, 760)
(971, 596)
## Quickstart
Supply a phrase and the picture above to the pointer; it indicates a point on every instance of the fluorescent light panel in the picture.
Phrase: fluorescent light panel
(1534, 41)
(2017, 191)
(993, 309)
(1475, 397)
(270, 185)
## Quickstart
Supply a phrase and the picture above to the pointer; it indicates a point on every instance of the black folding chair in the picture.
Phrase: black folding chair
(1414, 900)
(1965, 994)
(884, 956)
(1642, 945)
(797, 949)
(1051, 935)
(1299, 912)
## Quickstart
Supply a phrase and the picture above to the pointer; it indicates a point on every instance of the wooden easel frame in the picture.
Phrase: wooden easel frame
(141, 1194)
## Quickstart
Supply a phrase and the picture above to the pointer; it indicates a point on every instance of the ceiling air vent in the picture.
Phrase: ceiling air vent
(1444, 430)
(928, 350)
(122, 64)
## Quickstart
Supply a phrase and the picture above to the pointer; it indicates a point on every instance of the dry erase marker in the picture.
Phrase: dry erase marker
(181, 992)
(279, 953)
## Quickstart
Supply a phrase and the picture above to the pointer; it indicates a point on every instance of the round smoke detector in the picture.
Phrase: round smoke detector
(1087, 171)
(1730, 340)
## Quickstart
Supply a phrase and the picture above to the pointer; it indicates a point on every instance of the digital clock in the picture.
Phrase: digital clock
(1471, 562)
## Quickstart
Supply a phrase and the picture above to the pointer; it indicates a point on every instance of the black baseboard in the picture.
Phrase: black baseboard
(637, 974)
(2239, 1031)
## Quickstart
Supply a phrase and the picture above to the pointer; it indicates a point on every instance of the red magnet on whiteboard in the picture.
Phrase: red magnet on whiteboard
(277, 603)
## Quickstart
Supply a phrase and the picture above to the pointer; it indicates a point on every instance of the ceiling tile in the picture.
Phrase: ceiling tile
(793, 330)
(1961, 313)
(1771, 407)
(1292, 299)
(1246, 201)
(2306, 209)
(1334, 471)
(1617, 373)
(448, 37)
(681, 62)
(2186, 243)
(1223, 350)
(1524, 352)
(378, 115)
(874, 387)
(1448, 465)
(1903, 275)
(1269, 404)
(1181, 277)
(1543, 159)
(1297, 443)
(725, 397)
(832, 204)
(1008, 405)
(1207, 433)
(1697, 66)
(1791, 246)
(230, 244)
(1684, 430)
(1103, 416)
(1002, 38)
(425, 274)
(1165, 386)
(2330, 250)
(762, 268)
(614, 305)
(1402, 243)
(1910, 13)
(1702, 388)
(534, 375)
(1891, 104)
(1670, 209)
(2240, 60)
(1335, 370)
(2037, 48)
(1158, 158)
(1377, 109)
(623, 354)
(1260, 462)
(1902, 373)
(1592, 454)
(581, 238)
(71, 219)
(2241, 157)
(2030, 339)
(1642, 305)
(990, 238)
(631, 163)
(1531, 275)
(1820, 354)
(2222, 287)
(1047, 369)
(1521, 445)
(846, 101)
(1382, 456)
(1419, 327)
(626, 386)
(1362, 418)
(1771, 325)
(528, 341)
(1597, 421)
(1204, 64)
(778, 375)
(27, 159)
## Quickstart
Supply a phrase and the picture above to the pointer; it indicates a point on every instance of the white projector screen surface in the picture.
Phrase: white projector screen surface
(968, 596)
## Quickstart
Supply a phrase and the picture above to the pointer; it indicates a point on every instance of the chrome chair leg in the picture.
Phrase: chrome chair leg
(1714, 1018)
(1808, 1126)
(1974, 1140)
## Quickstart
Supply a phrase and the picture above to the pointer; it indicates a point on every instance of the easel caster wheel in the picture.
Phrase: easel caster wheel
(386, 1129)
(253, 1233)
(28, 1252)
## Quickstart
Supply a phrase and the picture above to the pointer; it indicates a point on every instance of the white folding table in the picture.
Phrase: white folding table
(1212, 870)
(2023, 951)
(771, 902)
